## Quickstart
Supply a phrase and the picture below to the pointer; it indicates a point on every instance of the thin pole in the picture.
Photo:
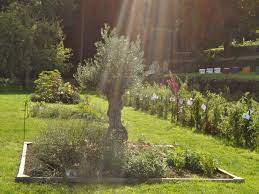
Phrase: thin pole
(83, 7)
(24, 120)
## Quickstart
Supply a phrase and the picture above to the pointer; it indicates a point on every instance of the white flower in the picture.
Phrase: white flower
(172, 99)
(250, 111)
(154, 97)
(190, 102)
(203, 107)
(246, 116)
(181, 110)
(181, 101)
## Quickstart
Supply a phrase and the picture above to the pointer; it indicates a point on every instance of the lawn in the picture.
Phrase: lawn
(238, 77)
(140, 125)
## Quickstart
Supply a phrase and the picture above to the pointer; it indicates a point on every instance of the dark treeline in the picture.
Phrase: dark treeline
(34, 34)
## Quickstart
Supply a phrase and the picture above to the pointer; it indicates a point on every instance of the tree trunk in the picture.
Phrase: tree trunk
(26, 79)
(116, 129)
(227, 43)
(227, 48)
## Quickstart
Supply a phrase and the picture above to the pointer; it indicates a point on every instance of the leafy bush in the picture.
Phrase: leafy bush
(241, 124)
(145, 163)
(195, 162)
(176, 159)
(51, 88)
(200, 163)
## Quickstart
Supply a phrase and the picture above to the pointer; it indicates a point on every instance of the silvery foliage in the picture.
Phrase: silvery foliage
(117, 65)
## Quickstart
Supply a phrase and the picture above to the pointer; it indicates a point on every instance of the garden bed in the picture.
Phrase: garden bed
(24, 175)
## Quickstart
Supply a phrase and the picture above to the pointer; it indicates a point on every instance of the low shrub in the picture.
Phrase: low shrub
(241, 123)
(61, 111)
(200, 163)
(145, 163)
(51, 88)
(68, 146)
(195, 162)
(80, 148)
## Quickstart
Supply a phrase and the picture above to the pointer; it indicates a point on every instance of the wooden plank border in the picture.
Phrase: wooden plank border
(23, 160)
(23, 178)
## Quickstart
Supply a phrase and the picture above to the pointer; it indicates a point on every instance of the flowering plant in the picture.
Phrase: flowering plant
(190, 102)
(203, 107)
(154, 97)
(174, 84)
(211, 113)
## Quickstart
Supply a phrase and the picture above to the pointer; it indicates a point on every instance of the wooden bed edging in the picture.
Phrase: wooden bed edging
(21, 177)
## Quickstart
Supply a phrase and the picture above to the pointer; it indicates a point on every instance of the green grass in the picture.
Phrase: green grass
(238, 161)
(237, 45)
(238, 76)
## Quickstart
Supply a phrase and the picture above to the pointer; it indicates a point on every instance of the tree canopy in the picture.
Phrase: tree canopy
(30, 42)
(209, 23)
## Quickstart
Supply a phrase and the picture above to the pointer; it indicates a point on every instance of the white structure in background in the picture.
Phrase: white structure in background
(202, 71)
(154, 68)
(209, 70)
(217, 70)
(165, 67)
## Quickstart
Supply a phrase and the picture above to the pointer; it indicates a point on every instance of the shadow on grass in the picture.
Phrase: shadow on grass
(14, 90)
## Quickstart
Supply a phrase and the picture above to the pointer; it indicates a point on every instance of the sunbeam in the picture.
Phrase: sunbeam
(155, 22)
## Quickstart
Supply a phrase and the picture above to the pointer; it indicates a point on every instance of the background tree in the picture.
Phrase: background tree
(208, 24)
(29, 43)
(117, 65)
(238, 16)
(5, 3)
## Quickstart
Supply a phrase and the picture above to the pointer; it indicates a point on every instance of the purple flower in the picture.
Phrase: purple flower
(246, 116)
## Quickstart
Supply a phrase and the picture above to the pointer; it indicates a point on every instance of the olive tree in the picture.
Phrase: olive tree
(117, 66)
